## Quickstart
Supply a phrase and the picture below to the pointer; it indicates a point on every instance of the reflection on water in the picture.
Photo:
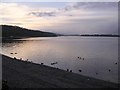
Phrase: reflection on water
(100, 54)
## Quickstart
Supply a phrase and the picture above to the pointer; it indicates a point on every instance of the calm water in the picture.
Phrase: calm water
(100, 54)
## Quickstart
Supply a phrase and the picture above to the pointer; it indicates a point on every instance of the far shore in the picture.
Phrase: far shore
(24, 74)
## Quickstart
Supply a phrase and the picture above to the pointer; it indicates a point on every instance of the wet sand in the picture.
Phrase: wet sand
(22, 74)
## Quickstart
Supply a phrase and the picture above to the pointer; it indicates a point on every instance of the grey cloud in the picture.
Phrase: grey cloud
(98, 23)
(96, 5)
(42, 14)
(92, 6)
(51, 14)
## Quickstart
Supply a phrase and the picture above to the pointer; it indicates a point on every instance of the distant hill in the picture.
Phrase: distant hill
(94, 35)
(19, 32)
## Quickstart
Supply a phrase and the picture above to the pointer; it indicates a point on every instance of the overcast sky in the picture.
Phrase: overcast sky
(63, 17)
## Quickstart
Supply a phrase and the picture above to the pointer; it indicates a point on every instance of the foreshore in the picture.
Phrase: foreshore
(24, 74)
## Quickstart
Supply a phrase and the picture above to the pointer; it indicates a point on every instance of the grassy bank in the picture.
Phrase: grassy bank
(24, 74)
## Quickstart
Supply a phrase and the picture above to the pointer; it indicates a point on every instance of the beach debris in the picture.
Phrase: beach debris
(31, 61)
(83, 58)
(54, 63)
(11, 53)
(5, 85)
(27, 60)
(15, 53)
(4, 81)
(80, 70)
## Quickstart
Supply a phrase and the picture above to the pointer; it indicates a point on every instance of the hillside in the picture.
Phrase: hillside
(19, 32)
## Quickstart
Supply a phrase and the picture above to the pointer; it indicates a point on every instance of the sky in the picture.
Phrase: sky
(62, 17)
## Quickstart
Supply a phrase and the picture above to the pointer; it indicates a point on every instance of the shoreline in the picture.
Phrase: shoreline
(24, 74)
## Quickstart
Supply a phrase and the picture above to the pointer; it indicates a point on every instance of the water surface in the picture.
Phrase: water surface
(100, 54)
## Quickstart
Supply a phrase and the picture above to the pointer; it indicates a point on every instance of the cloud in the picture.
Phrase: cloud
(88, 18)
(93, 5)
(81, 9)
(80, 17)
(42, 14)
(17, 14)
